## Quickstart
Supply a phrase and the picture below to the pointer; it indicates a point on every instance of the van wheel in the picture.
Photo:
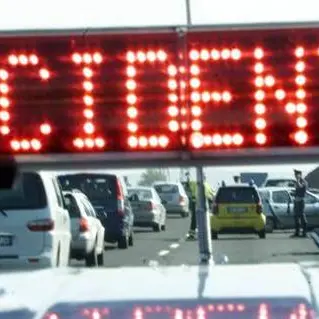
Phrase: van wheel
(131, 239)
(157, 228)
(262, 234)
(214, 235)
(91, 259)
(100, 259)
(123, 242)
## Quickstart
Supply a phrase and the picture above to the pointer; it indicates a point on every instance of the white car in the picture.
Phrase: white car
(35, 229)
(87, 230)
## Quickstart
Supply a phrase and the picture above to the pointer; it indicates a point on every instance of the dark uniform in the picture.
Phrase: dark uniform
(299, 205)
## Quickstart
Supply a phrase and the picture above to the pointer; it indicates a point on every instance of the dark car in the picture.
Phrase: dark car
(109, 197)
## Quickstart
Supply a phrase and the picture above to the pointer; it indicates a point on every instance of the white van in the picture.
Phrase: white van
(35, 229)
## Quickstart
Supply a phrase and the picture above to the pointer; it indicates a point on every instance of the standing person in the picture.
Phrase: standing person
(191, 190)
(299, 205)
(209, 196)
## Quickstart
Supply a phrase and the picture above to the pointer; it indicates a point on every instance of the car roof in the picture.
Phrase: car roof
(276, 188)
(141, 188)
(241, 185)
(166, 183)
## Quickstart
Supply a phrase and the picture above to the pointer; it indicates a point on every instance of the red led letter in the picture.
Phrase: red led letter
(87, 62)
(200, 98)
(23, 61)
(294, 103)
(132, 99)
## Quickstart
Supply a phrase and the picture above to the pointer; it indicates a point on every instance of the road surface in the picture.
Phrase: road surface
(172, 248)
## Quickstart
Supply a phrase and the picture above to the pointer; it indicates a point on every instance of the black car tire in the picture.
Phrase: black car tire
(214, 235)
(157, 227)
(262, 234)
(131, 239)
(123, 242)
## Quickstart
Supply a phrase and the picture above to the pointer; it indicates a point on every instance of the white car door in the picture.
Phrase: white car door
(97, 224)
(160, 206)
(63, 224)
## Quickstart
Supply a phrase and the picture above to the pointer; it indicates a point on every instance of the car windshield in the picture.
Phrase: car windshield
(143, 194)
(166, 188)
(237, 195)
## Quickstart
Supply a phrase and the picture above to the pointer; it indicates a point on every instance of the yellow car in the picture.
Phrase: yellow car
(238, 209)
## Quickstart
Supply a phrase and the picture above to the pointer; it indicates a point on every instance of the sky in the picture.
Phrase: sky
(61, 14)
(74, 14)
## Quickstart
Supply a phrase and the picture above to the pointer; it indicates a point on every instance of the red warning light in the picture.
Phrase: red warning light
(122, 92)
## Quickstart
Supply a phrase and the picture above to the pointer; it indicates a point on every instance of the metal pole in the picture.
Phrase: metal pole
(203, 222)
(188, 12)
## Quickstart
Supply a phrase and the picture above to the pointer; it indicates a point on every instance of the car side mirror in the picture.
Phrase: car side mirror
(163, 201)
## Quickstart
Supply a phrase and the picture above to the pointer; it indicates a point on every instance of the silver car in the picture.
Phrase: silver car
(147, 208)
(174, 197)
(278, 207)
(87, 231)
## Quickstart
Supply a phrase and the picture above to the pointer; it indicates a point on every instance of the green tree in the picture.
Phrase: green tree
(150, 176)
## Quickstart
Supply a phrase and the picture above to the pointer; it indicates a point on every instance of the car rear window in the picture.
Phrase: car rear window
(72, 206)
(27, 193)
(98, 188)
(237, 195)
(280, 183)
(166, 188)
(143, 194)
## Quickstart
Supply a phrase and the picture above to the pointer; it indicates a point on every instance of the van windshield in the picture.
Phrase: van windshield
(27, 193)
(100, 189)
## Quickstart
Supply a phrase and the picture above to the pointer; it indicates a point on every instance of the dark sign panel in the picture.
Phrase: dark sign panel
(158, 91)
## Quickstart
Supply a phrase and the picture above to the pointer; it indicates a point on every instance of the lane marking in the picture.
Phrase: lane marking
(174, 245)
(163, 253)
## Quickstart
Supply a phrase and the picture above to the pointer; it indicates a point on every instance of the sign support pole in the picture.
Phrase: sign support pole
(203, 221)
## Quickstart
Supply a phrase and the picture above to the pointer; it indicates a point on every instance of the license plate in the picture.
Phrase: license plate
(5, 241)
(239, 210)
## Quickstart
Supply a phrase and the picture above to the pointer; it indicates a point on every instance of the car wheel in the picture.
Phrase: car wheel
(157, 227)
(131, 239)
(163, 227)
(91, 260)
(123, 242)
(100, 259)
(58, 258)
(214, 235)
(270, 225)
(262, 234)
(184, 214)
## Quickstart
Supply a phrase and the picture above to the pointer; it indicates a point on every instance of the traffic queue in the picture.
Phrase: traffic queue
(56, 217)
(245, 208)
(47, 219)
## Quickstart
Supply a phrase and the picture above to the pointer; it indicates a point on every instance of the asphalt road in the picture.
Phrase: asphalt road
(149, 246)
(172, 248)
